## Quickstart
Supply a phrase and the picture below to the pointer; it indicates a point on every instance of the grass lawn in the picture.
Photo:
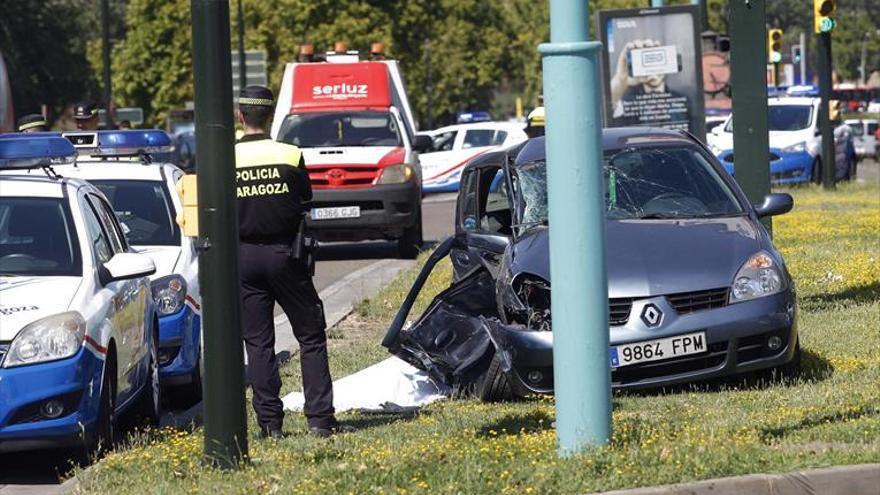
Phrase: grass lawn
(829, 416)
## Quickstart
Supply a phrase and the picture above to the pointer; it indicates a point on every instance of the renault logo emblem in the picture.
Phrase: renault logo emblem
(651, 315)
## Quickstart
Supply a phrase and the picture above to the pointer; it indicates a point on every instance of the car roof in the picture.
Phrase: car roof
(478, 125)
(32, 184)
(91, 169)
(792, 100)
(614, 138)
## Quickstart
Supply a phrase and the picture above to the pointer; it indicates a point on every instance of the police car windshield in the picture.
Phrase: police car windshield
(37, 238)
(351, 128)
(641, 183)
(145, 210)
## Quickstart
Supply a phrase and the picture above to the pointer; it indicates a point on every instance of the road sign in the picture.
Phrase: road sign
(255, 67)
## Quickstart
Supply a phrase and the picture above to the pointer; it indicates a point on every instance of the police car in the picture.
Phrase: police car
(144, 197)
(78, 327)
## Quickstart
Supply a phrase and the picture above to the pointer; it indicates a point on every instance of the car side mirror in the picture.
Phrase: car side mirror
(422, 143)
(717, 130)
(775, 204)
(125, 266)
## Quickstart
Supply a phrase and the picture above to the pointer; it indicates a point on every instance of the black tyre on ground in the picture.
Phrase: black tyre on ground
(100, 439)
(494, 386)
(409, 245)
(148, 408)
(189, 394)
(816, 175)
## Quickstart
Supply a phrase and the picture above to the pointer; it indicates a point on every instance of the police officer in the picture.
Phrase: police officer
(271, 186)
(86, 115)
(32, 123)
(535, 123)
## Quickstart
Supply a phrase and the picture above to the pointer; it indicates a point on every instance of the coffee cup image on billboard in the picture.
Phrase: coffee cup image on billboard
(640, 91)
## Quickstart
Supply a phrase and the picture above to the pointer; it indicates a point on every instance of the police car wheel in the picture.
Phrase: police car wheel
(410, 244)
(100, 440)
(148, 409)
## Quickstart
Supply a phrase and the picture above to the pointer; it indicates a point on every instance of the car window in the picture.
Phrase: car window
(467, 205)
(789, 117)
(109, 222)
(145, 209)
(872, 127)
(324, 129)
(494, 210)
(97, 237)
(443, 141)
(640, 183)
(475, 138)
(37, 237)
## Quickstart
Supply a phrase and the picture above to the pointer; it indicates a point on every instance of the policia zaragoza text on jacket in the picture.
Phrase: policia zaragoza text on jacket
(271, 186)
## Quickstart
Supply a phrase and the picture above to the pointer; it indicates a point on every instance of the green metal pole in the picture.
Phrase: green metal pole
(573, 99)
(823, 52)
(748, 80)
(224, 400)
(105, 60)
(242, 60)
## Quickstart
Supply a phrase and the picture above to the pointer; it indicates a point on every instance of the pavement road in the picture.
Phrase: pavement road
(39, 473)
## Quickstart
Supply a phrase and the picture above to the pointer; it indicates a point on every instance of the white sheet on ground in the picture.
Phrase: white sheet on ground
(390, 381)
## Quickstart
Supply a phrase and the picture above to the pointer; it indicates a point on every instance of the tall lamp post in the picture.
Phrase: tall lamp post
(573, 99)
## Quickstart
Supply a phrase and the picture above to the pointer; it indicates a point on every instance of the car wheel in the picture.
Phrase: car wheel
(816, 174)
(100, 439)
(410, 244)
(148, 409)
(190, 394)
(494, 386)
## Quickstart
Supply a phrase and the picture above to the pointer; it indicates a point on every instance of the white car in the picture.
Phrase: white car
(795, 142)
(453, 146)
(865, 137)
(145, 199)
(78, 327)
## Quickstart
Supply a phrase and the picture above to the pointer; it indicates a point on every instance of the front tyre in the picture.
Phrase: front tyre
(410, 244)
(816, 174)
(100, 439)
(148, 407)
(494, 386)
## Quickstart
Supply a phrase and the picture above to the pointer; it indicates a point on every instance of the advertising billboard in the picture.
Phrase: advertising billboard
(652, 65)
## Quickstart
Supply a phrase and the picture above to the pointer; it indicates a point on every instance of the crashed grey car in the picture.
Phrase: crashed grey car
(696, 288)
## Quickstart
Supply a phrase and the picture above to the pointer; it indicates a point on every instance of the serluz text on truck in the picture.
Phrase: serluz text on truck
(354, 124)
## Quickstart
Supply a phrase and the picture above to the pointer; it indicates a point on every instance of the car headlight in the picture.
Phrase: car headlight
(169, 294)
(48, 339)
(395, 174)
(758, 277)
(796, 148)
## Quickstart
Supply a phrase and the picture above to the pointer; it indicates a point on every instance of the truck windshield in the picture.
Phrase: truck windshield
(326, 129)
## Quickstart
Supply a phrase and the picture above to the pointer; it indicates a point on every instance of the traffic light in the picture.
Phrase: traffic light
(823, 15)
(796, 54)
(774, 46)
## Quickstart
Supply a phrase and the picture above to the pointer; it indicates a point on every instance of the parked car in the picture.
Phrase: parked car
(696, 288)
(795, 142)
(78, 326)
(865, 137)
(144, 197)
(453, 146)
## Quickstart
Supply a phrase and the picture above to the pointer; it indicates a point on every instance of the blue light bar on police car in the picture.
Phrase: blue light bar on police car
(128, 142)
(36, 150)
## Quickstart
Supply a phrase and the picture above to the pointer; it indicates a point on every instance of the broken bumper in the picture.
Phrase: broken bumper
(736, 335)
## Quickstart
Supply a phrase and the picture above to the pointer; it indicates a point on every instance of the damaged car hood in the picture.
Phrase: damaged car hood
(655, 257)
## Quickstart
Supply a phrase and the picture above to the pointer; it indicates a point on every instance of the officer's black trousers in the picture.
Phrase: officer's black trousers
(269, 275)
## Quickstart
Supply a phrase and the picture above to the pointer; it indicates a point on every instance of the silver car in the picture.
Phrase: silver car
(696, 288)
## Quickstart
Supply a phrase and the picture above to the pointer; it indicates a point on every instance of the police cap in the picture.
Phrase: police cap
(32, 121)
(85, 110)
(256, 96)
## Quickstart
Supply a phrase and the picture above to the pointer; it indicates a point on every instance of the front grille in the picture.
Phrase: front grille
(4, 348)
(689, 302)
(714, 357)
(364, 205)
(341, 176)
(618, 311)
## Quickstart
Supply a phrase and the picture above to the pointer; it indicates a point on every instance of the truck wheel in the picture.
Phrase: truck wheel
(410, 244)
(494, 386)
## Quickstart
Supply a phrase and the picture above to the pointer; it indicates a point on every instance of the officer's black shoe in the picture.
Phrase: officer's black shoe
(326, 431)
(273, 433)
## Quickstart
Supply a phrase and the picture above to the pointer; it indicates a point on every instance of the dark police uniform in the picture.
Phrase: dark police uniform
(272, 184)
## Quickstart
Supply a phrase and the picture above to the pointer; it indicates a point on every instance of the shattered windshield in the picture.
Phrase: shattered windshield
(640, 184)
